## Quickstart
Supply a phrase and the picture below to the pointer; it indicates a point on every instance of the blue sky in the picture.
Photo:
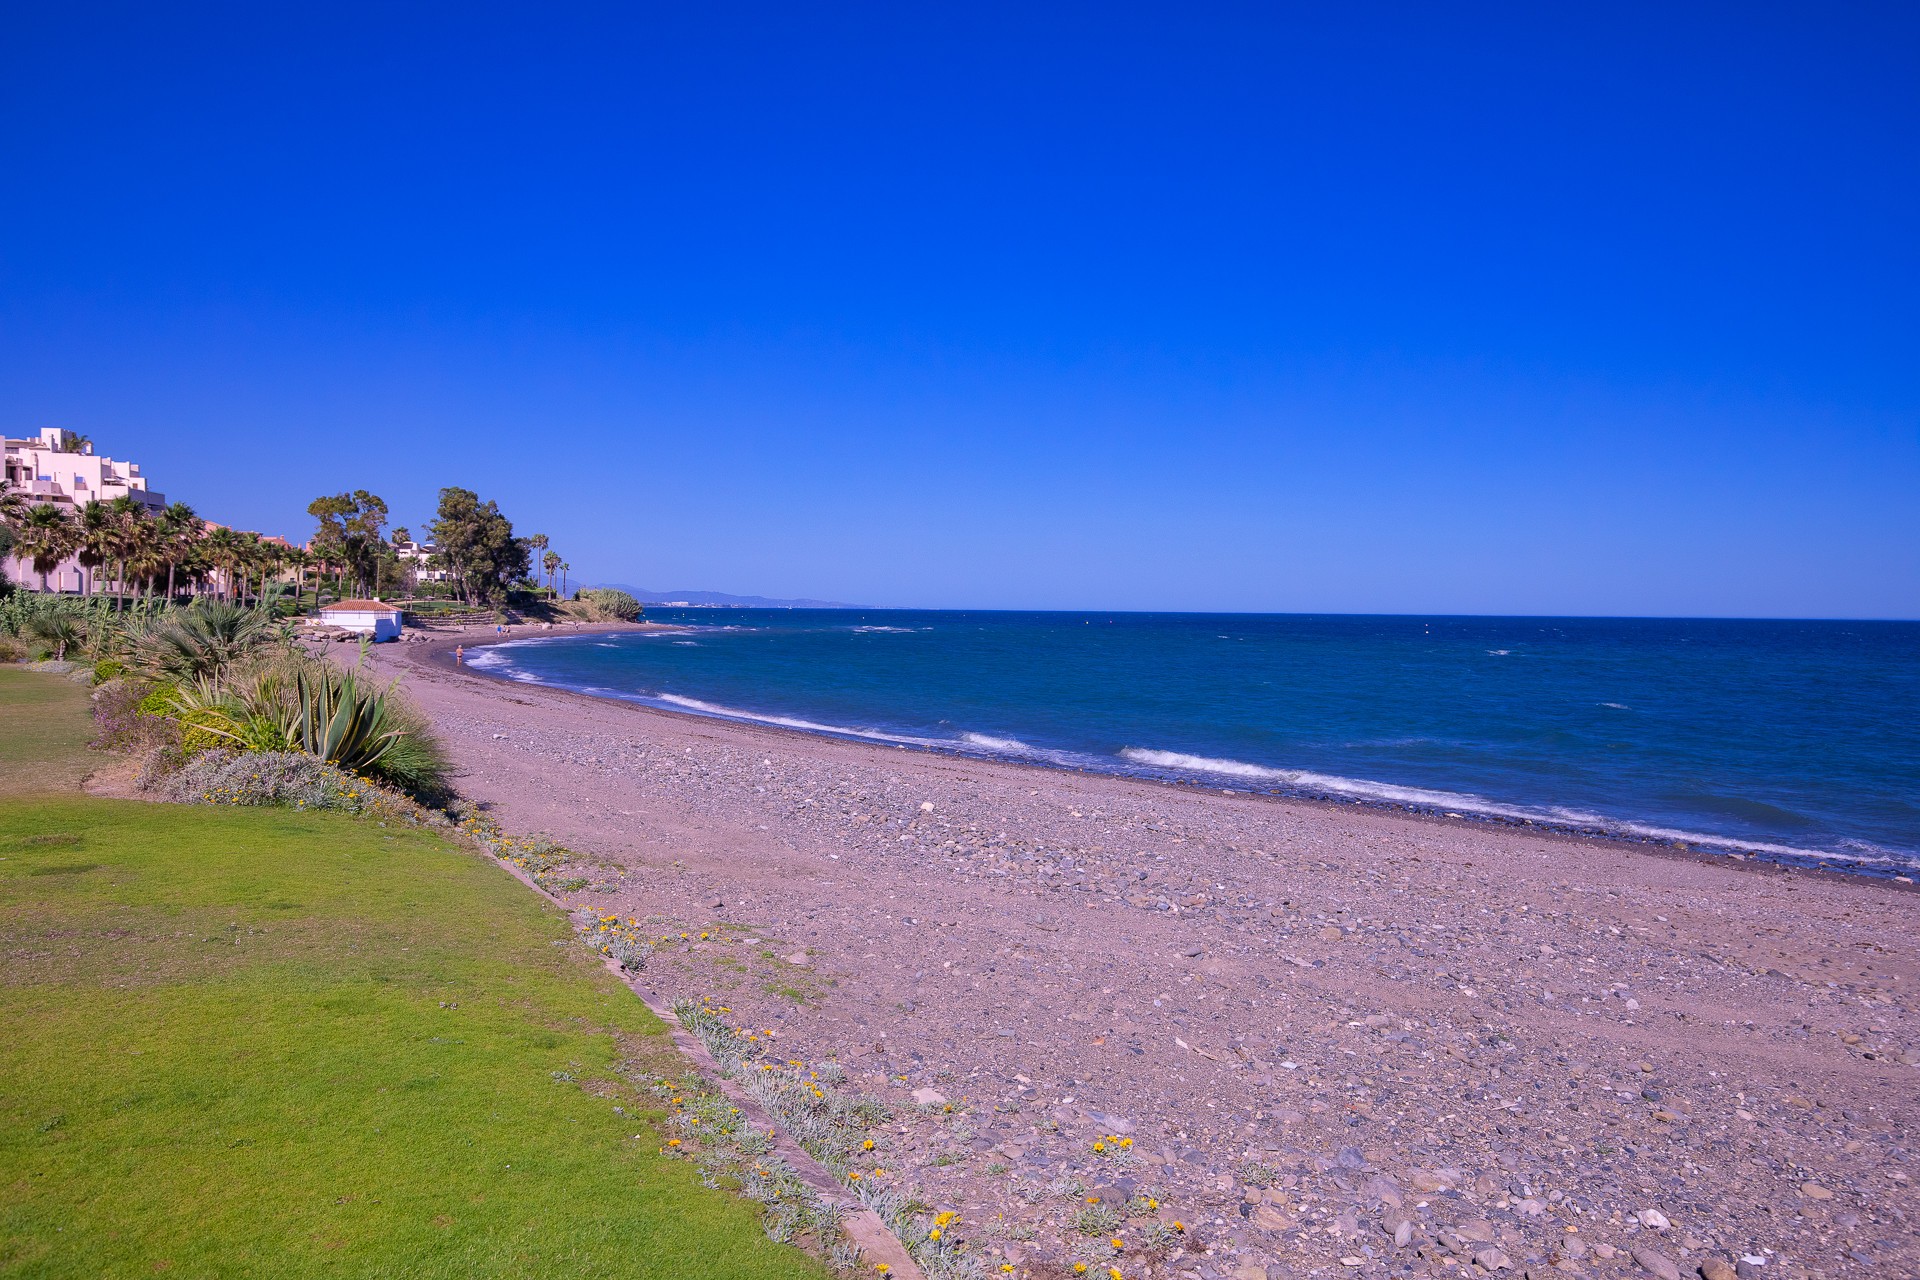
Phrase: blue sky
(1326, 308)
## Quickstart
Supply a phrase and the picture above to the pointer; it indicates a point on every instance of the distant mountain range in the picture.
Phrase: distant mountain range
(720, 599)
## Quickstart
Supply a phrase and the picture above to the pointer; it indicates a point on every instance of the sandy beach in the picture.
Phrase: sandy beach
(1324, 1038)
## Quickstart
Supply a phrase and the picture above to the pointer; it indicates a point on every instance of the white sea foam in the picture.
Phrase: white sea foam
(1335, 784)
(904, 631)
(790, 722)
(1498, 653)
(1617, 706)
(996, 744)
(1852, 850)
(1856, 850)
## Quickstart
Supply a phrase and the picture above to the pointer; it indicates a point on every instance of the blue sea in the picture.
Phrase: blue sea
(1793, 741)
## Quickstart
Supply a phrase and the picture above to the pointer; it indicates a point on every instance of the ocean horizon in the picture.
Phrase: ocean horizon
(1792, 740)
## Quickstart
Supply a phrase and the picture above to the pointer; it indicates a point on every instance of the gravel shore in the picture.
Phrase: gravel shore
(1321, 1038)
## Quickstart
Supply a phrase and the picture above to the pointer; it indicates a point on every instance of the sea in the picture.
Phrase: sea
(1795, 742)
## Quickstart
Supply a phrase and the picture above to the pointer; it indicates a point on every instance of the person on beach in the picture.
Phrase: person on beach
(459, 655)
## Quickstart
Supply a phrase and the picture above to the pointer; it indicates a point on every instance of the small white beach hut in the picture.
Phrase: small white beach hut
(381, 621)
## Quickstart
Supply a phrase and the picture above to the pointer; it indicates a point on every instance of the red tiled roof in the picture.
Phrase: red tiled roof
(360, 606)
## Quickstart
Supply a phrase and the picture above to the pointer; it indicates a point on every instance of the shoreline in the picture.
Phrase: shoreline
(1368, 1006)
(1706, 849)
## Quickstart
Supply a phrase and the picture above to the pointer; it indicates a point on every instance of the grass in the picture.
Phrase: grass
(254, 1042)
(44, 744)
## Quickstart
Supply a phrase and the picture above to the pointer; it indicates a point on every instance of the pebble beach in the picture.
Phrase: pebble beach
(1119, 1022)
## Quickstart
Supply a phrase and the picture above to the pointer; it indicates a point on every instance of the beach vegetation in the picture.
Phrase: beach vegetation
(277, 700)
(270, 1041)
(603, 604)
(59, 631)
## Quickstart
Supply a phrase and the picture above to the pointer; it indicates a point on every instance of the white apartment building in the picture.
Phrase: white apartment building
(54, 467)
(51, 469)
(419, 553)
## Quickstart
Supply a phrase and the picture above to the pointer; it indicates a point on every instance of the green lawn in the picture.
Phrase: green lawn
(44, 728)
(266, 1043)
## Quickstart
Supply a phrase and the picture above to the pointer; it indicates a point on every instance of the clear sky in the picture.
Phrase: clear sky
(1428, 308)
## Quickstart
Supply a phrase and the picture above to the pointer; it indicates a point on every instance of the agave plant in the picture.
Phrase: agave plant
(344, 723)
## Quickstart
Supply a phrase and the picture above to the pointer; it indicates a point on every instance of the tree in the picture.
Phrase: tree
(350, 532)
(180, 529)
(551, 563)
(95, 538)
(61, 630)
(130, 516)
(223, 548)
(478, 545)
(535, 546)
(46, 535)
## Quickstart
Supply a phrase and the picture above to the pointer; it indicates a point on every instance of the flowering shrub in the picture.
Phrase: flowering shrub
(119, 723)
(290, 778)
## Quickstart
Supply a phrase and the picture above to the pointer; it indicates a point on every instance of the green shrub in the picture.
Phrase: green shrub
(603, 604)
(291, 778)
(198, 642)
(58, 631)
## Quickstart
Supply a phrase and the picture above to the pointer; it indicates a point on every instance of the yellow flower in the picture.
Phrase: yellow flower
(1080, 1268)
(1006, 1266)
(1114, 1274)
(1118, 1243)
(1126, 1142)
(868, 1144)
(1179, 1225)
(673, 1142)
(1099, 1146)
(882, 1267)
(944, 1218)
(934, 1234)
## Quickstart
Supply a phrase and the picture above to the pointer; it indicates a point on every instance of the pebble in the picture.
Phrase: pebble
(1655, 1263)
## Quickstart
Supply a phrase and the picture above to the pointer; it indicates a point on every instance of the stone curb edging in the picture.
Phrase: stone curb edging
(862, 1225)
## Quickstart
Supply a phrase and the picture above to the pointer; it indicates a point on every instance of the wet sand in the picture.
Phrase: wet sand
(1331, 1038)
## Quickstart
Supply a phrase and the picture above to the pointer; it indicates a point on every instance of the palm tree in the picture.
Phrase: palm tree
(300, 560)
(180, 529)
(94, 541)
(537, 544)
(129, 514)
(224, 548)
(46, 535)
(551, 563)
(146, 554)
(59, 630)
